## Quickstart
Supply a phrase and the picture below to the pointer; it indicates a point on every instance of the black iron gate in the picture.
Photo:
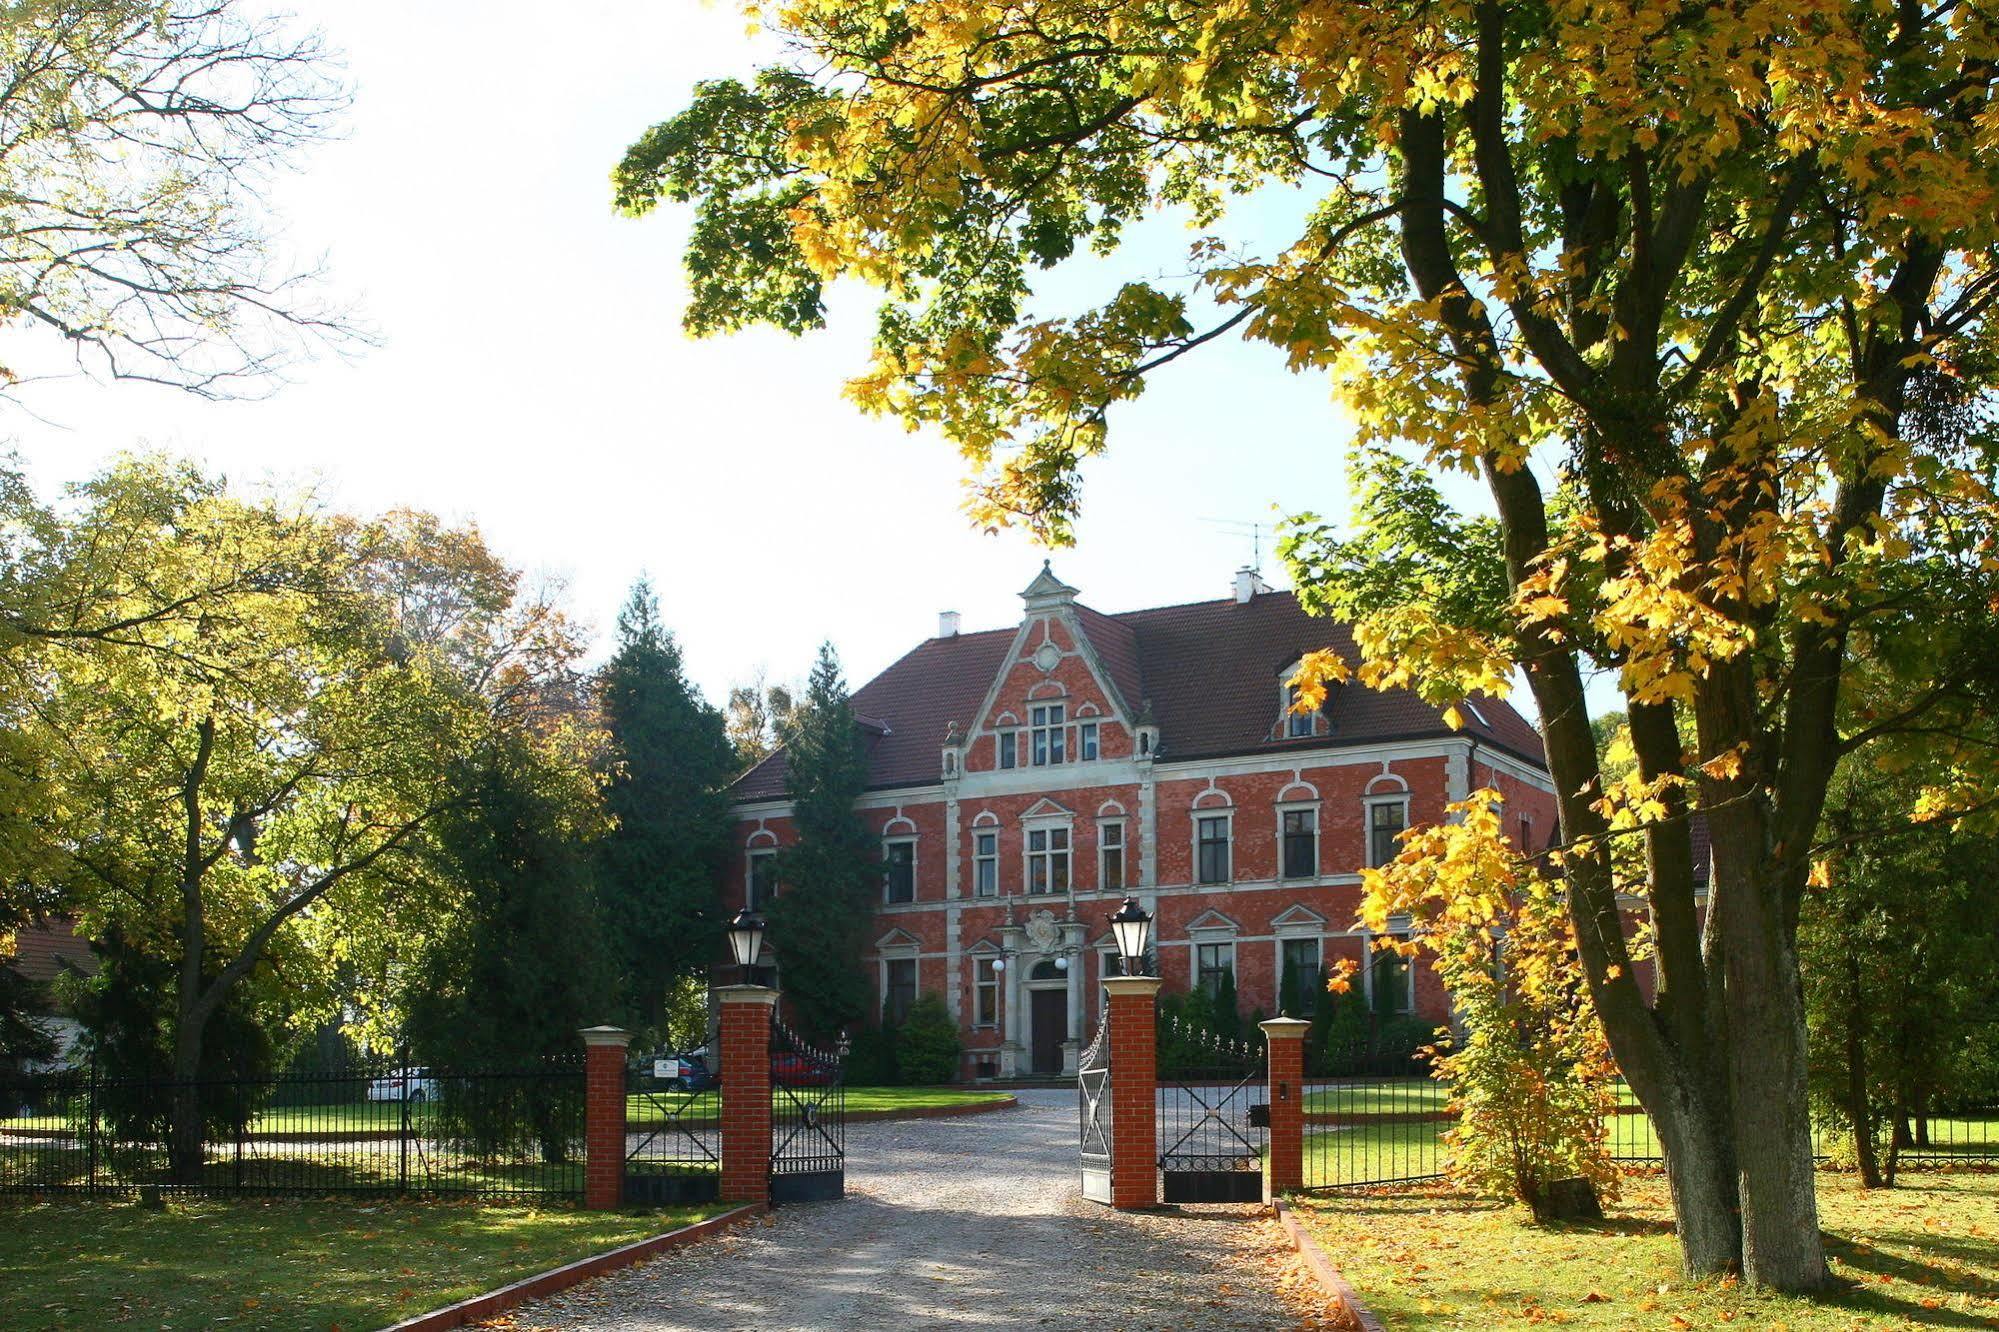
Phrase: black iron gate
(1214, 1121)
(1093, 1101)
(808, 1119)
(673, 1135)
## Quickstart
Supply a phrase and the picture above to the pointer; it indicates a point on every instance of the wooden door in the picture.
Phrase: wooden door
(1049, 1013)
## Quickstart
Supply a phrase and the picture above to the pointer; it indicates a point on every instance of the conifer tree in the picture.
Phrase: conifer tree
(830, 878)
(519, 967)
(658, 869)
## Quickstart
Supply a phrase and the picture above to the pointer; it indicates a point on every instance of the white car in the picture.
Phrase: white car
(404, 1084)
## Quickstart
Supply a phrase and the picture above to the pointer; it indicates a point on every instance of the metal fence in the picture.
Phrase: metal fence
(1212, 1116)
(673, 1136)
(1363, 1132)
(808, 1119)
(510, 1133)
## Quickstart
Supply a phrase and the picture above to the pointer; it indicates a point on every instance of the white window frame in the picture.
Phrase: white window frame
(990, 980)
(1369, 805)
(1047, 729)
(888, 843)
(1214, 940)
(1289, 807)
(1088, 740)
(1293, 935)
(1408, 1006)
(750, 858)
(1006, 750)
(1227, 814)
(1287, 694)
(1028, 829)
(981, 861)
(915, 976)
(1124, 855)
(1108, 962)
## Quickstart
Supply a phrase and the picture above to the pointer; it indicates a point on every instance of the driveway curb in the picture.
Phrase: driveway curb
(570, 1274)
(932, 1111)
(1359, 1315)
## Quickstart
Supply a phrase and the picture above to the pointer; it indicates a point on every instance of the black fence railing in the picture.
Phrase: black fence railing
(808, 1119)
(1364, 1132)
(1213, 1118)
(510, 1133)
(673, 1134)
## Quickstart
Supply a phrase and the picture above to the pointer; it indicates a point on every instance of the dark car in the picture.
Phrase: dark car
(688, 1072)
(797, 1070)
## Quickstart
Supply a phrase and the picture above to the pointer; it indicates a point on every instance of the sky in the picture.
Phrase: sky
(531, 375)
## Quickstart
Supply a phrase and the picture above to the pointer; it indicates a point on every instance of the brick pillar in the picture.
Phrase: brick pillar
(604, 1117)
(1284, 1045)
(746, 1015)
(1134, 1042)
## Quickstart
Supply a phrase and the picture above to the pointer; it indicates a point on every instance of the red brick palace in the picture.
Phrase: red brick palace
(1024, 780)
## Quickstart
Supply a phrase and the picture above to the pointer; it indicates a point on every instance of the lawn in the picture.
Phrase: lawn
(385, 1118)
(281, 1266)
(1425, 1257)
(652, 1108)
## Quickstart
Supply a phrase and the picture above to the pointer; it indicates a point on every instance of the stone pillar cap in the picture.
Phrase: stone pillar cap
(1118, 985)
(745, 994)
(1285, 1028)
(617, 1036)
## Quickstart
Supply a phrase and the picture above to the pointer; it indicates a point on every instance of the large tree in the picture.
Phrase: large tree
(1701, 292)
(137, 141)
(519, 962)
(658, 868)
(830, 877)
(238, 750)
(1901, 966)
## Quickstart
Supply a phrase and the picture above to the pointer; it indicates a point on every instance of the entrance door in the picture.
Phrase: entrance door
(1049, 1010)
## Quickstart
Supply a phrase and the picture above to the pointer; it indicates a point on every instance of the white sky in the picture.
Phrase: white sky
(533, 376)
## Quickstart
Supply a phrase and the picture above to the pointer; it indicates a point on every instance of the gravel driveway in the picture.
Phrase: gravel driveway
(969, 1222)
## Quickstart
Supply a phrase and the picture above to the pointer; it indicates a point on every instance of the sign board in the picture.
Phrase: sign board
(666, 1069)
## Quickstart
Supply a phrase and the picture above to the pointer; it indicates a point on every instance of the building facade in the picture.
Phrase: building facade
(1025, 780)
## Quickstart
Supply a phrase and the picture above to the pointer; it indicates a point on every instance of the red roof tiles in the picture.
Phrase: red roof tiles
(1210, 671)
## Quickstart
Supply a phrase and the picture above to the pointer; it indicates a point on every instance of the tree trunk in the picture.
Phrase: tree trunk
(1857, 1104)
(1781, 1245)
(1700, 1172)
(187, 1134)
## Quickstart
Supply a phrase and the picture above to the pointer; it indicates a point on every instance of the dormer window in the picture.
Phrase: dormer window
(1044, 729)
(1298, 725)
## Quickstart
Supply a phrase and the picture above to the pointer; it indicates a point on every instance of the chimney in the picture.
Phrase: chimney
(947, 624)
(1249, 584)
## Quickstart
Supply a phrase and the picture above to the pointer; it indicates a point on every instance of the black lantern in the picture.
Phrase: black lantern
(1133, 927)
(746, 941)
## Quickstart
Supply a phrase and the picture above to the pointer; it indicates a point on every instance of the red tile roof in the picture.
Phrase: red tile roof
(1209, 670)
(41, 953)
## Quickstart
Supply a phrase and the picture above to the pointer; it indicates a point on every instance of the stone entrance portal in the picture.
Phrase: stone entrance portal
(1050, 1028)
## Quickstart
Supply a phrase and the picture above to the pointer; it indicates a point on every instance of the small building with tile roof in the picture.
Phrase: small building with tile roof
(1024, 780)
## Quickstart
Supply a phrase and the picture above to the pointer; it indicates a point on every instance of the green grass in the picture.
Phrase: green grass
(1426, 1258)
(645, 1109)
(386, 1117)
(281, 1266)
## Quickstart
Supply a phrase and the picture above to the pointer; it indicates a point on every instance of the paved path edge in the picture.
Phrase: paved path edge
(571, 1274)
(933, 1111)
(1322, 1270)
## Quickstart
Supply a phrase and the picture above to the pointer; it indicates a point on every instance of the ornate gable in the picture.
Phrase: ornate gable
(1057, 679)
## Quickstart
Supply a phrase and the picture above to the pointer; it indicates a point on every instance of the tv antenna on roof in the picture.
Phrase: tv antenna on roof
(1238, 528)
